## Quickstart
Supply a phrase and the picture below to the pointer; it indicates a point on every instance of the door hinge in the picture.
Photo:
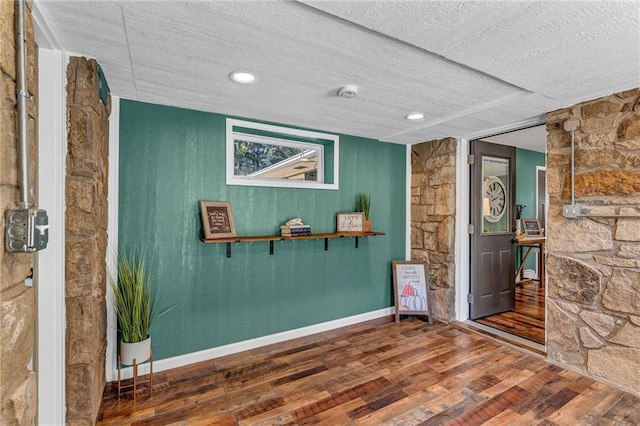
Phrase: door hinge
(470, 298)
(471, 159)
(471, 229)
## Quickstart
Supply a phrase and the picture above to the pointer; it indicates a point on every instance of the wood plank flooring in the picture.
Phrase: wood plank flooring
(527, 320)
(376, 373)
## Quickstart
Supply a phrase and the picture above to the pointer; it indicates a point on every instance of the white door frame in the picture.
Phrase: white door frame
(546, 206)
(462, 211)
(462, 242)
(546, 201)
(111, 365)
(50, 263)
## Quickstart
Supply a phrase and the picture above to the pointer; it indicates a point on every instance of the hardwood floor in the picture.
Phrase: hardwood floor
(375, 373)
(527, 320)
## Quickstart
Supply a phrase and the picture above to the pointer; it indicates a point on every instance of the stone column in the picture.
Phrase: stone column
(86, 241)
(433, 217)
(18, 390)
(593, 264)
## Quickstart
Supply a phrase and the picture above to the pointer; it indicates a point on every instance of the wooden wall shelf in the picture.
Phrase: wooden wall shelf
(271, 238)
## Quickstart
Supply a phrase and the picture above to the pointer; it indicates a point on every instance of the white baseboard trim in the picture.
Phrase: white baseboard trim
(233, 348)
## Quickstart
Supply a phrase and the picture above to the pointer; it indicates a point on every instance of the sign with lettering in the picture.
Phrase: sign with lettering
(217, 219)
(410, 289)
(350, 222)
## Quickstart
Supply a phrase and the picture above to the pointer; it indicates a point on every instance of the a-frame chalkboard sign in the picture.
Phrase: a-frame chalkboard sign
(410, 289)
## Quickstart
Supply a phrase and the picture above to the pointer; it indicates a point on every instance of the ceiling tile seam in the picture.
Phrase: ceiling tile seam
(465, 112)
(435, 56)
(126, 34)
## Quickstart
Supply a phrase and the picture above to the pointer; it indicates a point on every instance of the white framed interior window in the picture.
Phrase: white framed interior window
(260, 154)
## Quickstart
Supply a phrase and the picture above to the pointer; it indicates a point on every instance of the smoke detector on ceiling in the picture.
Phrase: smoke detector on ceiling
(348, 92)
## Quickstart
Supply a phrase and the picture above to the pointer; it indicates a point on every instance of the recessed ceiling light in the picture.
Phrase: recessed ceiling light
(415, 116)
(243, 77)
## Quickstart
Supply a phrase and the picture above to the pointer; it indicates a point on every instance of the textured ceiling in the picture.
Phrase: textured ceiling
(473, 67)
(531, 138)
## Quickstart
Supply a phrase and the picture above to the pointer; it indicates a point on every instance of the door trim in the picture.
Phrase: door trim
(546, 206)
(407, 230)
(50, 263)
(462, 243)
(546, 202)
(111, 352)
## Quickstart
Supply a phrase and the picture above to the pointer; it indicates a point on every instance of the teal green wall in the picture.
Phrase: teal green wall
(171, 158)
(526, 162)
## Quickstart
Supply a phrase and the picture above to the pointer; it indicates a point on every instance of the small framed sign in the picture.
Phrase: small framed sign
(532, 227)
(350, 222)
(217, 219)
(410, 289)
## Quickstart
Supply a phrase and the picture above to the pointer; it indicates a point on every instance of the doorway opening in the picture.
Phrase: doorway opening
(506, 274)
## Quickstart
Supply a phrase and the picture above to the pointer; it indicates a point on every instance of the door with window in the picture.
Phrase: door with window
(492, 257)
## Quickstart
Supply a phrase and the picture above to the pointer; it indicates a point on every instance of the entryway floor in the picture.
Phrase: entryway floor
(527, 320)
(375, 373)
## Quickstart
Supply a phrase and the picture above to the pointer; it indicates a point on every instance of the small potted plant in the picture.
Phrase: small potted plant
(363, 204)
(135, 306)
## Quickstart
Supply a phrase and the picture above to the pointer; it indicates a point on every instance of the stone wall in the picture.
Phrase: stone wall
(433, 216)
(593, 264)
(18, 393)
(86, 241)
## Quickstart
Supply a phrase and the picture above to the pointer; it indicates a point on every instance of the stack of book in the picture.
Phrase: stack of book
(295, 230)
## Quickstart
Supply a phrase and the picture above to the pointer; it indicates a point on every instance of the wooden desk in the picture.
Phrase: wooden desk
(526, 245)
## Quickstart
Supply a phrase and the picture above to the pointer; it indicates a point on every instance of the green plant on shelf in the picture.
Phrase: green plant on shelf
(363, 204)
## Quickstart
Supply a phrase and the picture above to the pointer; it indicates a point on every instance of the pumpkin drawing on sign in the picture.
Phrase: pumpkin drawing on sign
(411, 300)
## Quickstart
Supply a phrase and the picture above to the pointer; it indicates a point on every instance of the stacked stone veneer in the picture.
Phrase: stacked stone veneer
(433, 209)
(593, 264)
(18, 384)
(86, 241)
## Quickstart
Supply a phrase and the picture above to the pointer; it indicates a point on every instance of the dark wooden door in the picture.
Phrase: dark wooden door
(492, 259)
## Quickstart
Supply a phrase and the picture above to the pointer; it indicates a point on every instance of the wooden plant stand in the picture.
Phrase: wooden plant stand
(136, 382)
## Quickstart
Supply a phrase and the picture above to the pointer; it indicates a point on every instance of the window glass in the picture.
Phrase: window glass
(266, 155)
(495, 195)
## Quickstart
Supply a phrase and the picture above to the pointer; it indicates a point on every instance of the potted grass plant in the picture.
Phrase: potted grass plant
(135, 307)
(363, 204)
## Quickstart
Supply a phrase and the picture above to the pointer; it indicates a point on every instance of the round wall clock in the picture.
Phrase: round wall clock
(495, 191)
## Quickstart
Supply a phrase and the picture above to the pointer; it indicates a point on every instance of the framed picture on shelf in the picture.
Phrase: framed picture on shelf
(350, 222)
(410, 288)
(532, 227)
(217, 219)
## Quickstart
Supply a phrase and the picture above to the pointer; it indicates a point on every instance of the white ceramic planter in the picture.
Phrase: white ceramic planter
(140, 351)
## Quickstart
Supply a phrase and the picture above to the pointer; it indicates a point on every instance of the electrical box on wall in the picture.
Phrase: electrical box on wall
(571, 211)
(27, 230)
